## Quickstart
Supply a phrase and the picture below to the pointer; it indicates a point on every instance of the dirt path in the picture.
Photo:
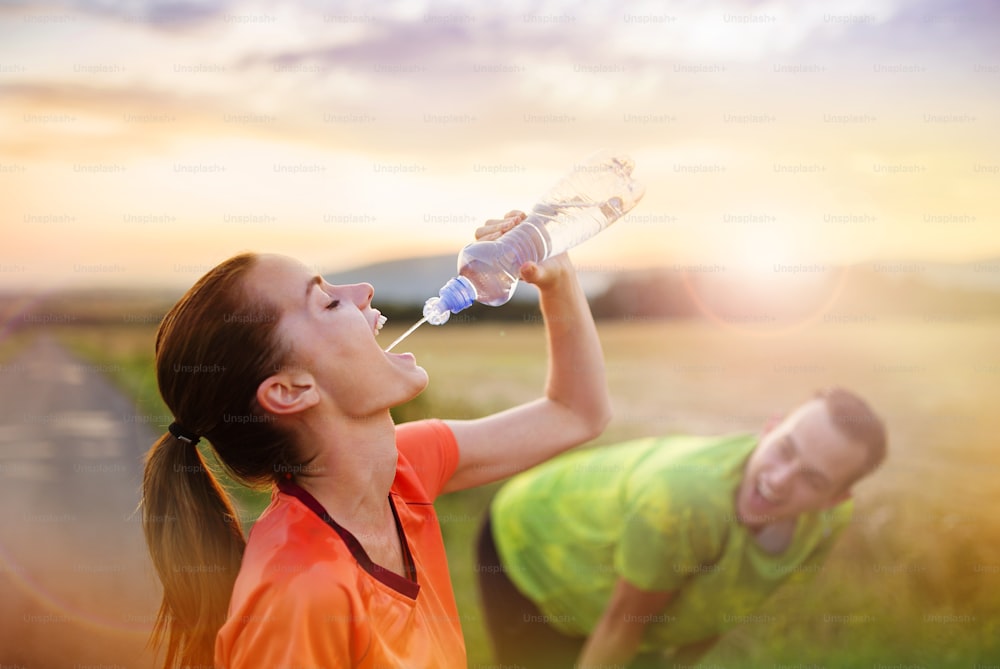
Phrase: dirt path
(76, 585)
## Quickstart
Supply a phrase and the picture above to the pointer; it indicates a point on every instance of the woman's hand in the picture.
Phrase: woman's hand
(494, 228)
(540, 274)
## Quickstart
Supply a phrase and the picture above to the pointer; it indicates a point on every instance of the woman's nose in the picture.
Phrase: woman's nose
(361, 294)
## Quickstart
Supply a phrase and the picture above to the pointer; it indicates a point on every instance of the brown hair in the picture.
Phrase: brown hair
(213, 349)
(852, 416)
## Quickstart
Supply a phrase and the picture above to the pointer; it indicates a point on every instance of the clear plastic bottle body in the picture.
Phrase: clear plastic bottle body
(493, 267)
(585, 202)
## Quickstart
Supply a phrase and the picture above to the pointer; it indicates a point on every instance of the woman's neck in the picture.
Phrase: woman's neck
(352, 468)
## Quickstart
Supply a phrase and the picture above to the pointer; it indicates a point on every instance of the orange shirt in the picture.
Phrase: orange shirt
(308, 597)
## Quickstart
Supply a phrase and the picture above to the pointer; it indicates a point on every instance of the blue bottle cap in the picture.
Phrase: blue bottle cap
(454, 296)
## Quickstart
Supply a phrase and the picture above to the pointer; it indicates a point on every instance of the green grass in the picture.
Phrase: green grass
(914, 581)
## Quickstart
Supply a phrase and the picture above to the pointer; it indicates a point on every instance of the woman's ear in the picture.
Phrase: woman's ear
(287, 392)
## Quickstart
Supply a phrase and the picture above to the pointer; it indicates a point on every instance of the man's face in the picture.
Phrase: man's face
(804, 464)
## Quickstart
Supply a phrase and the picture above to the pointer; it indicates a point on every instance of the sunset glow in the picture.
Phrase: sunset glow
(141, 146)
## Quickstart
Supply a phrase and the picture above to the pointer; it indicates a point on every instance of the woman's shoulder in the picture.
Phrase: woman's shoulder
(289, 540)
(428, 456)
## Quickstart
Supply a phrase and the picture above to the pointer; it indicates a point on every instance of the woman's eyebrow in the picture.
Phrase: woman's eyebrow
(315, 281)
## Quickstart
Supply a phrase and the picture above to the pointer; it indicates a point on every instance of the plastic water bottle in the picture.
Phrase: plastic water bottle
(587, 200)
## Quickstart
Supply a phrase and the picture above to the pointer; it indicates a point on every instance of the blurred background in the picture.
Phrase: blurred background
(821, 208)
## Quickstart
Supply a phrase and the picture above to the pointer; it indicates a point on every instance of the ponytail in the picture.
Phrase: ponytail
(213, 349)
(196, 544)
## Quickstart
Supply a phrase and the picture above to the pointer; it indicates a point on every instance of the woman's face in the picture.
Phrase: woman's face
(330, 332)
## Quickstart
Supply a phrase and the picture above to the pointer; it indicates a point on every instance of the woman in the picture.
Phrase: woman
(281, 372)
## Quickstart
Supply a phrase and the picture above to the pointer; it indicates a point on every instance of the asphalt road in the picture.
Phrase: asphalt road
(77, 589)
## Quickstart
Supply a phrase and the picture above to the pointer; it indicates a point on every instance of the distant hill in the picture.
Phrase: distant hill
(981, 275)
(413, 280)
(410, 280)
(889, 288)
(857, 293)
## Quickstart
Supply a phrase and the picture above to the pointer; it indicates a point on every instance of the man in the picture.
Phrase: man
(613, 556)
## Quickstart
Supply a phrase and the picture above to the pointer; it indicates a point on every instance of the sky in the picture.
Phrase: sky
(143, 142)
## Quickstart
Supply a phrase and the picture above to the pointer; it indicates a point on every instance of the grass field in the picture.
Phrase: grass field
(915, 580)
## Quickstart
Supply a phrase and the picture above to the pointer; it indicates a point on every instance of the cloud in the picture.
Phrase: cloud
(167, 14)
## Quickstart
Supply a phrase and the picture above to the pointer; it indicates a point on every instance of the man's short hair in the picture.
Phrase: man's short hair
(852, 416)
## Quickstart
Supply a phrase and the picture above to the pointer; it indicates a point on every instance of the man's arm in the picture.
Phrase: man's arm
(617, 635)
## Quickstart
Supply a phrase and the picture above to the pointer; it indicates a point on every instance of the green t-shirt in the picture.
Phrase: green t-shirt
(659, 512)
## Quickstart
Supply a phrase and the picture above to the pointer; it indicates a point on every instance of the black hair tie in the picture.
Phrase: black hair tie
(182, 434)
